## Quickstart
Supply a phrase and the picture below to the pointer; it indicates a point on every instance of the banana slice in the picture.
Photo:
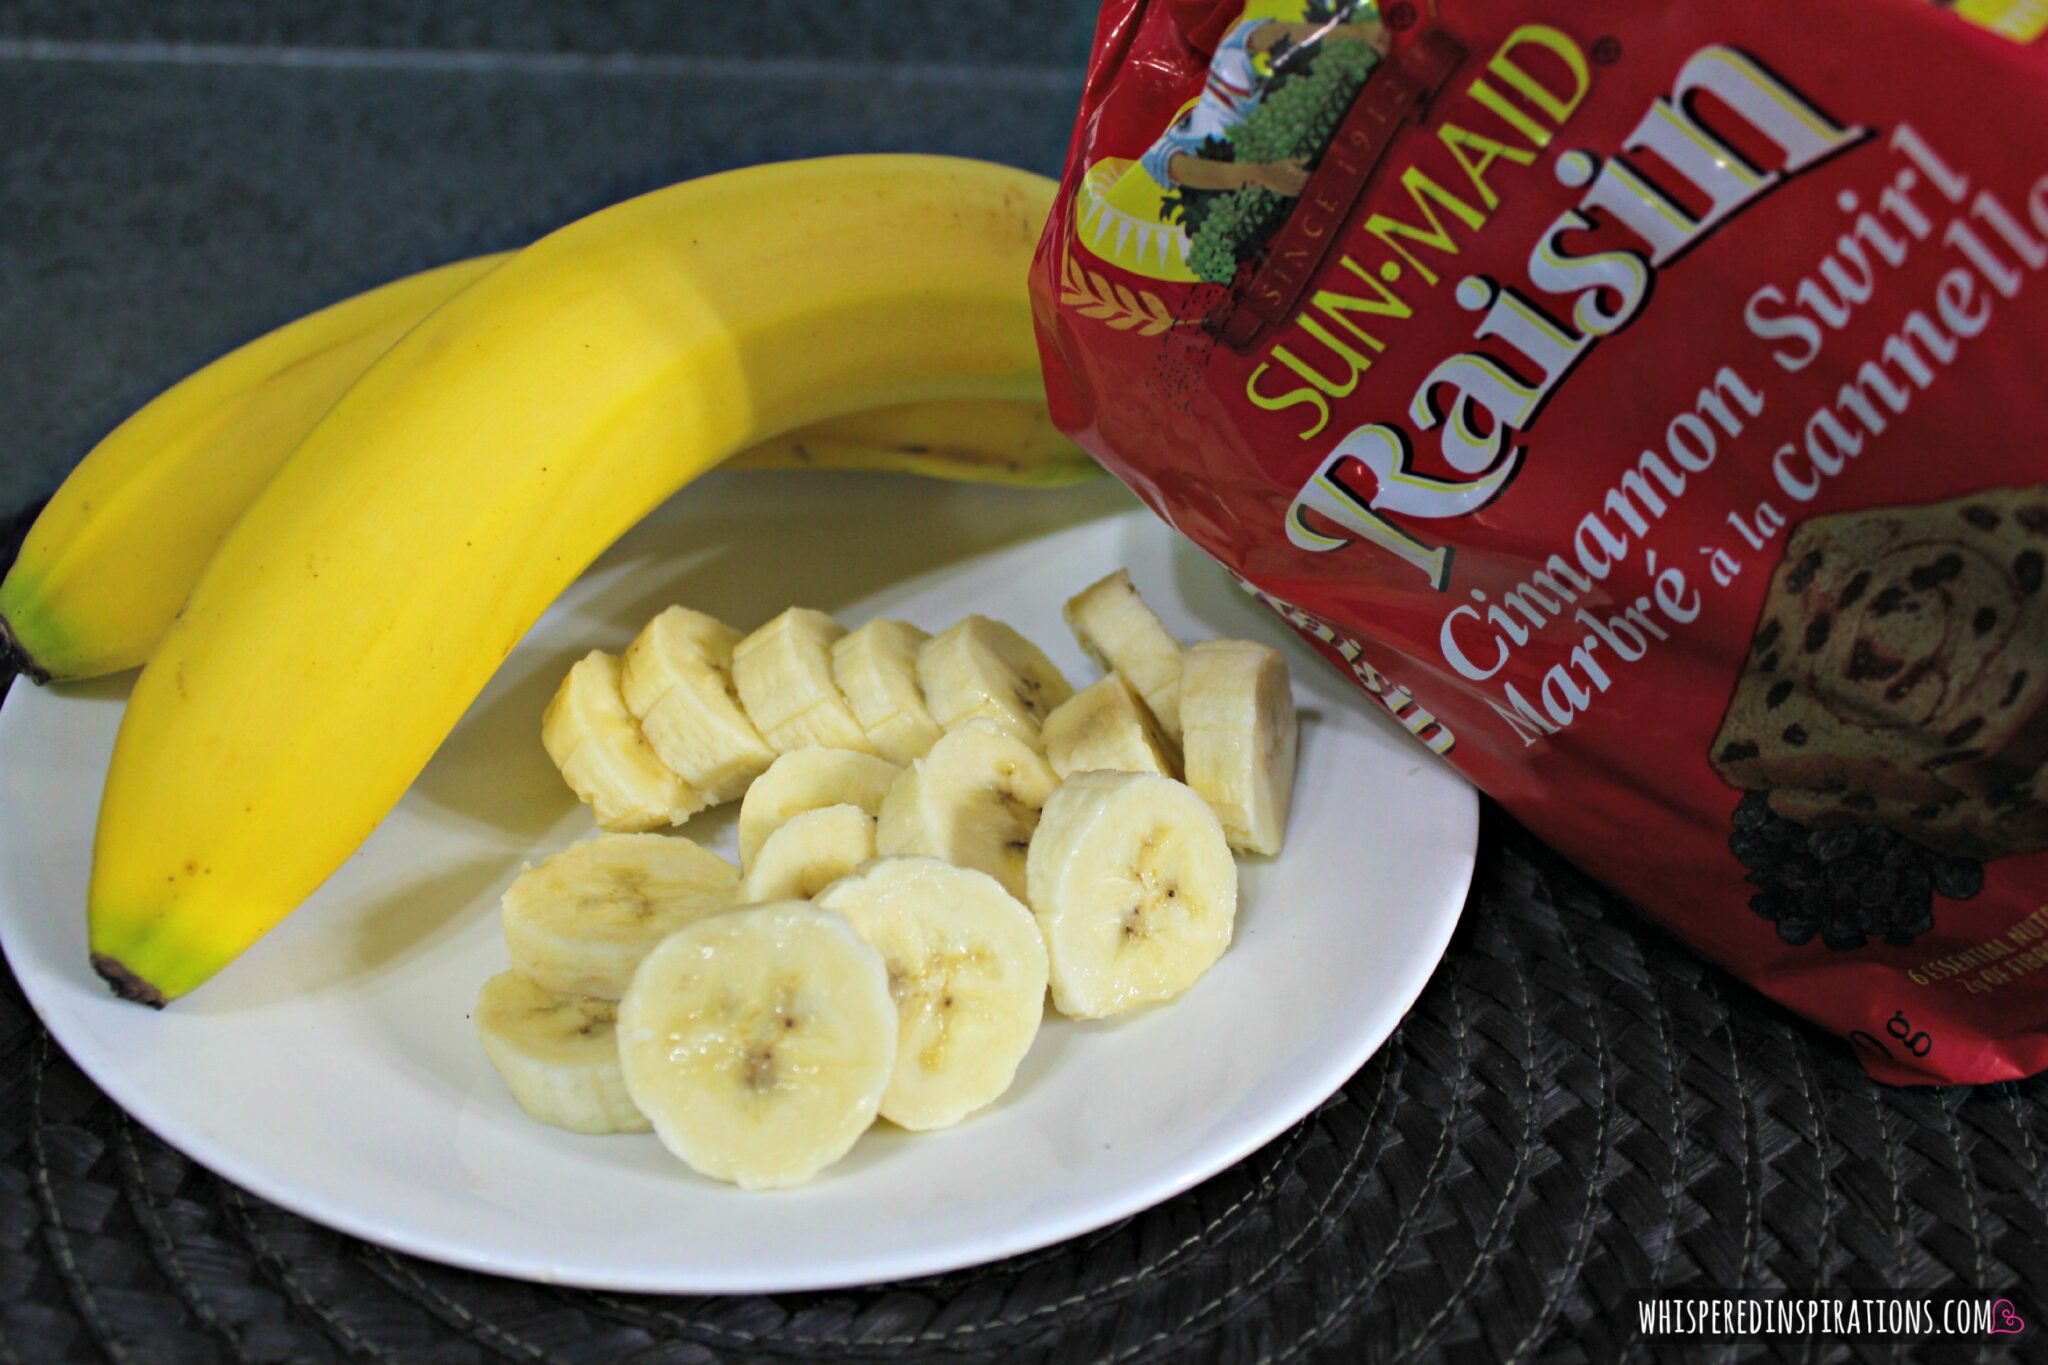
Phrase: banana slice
(876, 668)
(604, 758)
(983, 668)
(581, 921)
(1121, 634)
(1105, 726)
(810, 851)
(1240, 738)
(558, 1054)
(784, 674)
(677, 680)
(1134, 888)
(760, 1042)
(972, 801)
(810, 779)
(967, 968)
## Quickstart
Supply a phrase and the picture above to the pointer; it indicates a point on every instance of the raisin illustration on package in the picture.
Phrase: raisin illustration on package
(1642, 405)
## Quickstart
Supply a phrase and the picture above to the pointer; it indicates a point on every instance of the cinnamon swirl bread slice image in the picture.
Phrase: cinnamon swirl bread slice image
(1901, 653)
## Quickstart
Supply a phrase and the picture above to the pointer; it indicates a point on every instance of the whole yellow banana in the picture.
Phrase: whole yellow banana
(109, 561)
(368, 593)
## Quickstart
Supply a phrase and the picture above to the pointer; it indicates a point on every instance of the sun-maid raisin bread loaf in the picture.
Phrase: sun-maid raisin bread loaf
(1897, 655)
(1537, 507)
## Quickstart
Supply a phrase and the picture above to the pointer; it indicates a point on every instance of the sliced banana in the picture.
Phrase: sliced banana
(973, 801)
(1239, 738)
(809, 779)
(1134, 887)
(876, 669)
(982, 668)
(810, 851)
(967, 968)
(604, 758)
(677, 680)
(1105, 726)
(784, 675)
(1121, 634)
(558, 1054)
(581, 921)
(760, 1042)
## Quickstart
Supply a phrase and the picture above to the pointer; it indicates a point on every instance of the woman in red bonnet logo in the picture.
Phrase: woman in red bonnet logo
(1202, 196)
(1235, 87)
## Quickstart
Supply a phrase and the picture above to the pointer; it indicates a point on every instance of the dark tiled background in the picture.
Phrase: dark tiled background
(177, 176)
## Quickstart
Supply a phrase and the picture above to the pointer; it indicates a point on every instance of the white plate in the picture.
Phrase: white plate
(333, 1070)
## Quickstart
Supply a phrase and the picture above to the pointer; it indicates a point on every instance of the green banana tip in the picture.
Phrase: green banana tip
(14, 657)
(125, 983)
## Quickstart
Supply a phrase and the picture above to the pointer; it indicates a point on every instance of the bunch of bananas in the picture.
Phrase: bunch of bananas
(324, 544)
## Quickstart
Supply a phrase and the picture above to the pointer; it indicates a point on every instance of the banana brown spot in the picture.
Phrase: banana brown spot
(1023, 814)
(628, 892)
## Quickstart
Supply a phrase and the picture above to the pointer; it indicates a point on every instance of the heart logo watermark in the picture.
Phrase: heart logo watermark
(2005, 1318)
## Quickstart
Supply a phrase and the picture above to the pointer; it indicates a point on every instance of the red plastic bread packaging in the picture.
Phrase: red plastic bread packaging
(1648, 406)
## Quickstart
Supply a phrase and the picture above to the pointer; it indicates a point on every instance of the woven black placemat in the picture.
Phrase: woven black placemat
(1576, 1110)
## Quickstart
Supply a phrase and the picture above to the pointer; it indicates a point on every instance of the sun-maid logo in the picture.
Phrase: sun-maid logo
(1231, 164)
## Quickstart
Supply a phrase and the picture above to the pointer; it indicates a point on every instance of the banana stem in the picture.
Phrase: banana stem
(17, 659)
(125, 983)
